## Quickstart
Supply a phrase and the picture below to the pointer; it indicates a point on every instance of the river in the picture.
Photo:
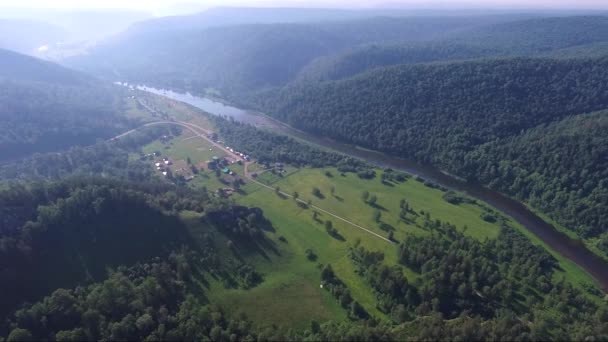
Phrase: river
(572, 249)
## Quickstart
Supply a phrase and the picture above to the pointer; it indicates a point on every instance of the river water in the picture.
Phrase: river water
(569, 248)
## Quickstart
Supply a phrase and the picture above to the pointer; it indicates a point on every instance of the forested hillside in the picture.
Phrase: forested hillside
(45, 107)
(242, 58)
(443, 113)
(555, 37)
(559, 168)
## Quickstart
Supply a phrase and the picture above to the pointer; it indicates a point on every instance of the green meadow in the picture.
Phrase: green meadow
(290, 294)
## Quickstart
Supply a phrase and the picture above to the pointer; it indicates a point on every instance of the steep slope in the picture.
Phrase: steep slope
(45, 107)
(560, 168)
(559, 37)
(248, 57)
(441, 113)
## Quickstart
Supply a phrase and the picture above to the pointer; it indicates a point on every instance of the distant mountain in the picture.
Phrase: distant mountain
(229, 16)
(539, 35)
(241, 58)
(79, 24)
(27, 36)
(559, 37)
(18, 67)
(45, 107)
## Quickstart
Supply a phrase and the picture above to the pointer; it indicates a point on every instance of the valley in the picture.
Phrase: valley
(299, 174)
(300, 225)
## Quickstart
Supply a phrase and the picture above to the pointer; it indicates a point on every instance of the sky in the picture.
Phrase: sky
(160, 5)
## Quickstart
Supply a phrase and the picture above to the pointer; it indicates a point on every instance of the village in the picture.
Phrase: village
(208, 162)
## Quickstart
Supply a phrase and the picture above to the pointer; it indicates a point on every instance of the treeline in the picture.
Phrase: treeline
(68, 233)
(45, 117)
(467, 117)
(560, 169)
(148, 301)
(581, 37)
(272, 54)
(45, 107)
(269, 147)
(103, 158)
(492, 283)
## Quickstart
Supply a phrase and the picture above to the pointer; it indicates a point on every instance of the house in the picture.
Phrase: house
(226, 170)
(279, 166)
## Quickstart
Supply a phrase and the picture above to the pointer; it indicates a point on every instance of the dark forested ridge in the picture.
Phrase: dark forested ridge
(45, 107)
(560, 168)
(458, 115)
(549, 37)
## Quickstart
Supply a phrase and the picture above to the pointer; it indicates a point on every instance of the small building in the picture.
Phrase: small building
(226, 170)
(279, 166)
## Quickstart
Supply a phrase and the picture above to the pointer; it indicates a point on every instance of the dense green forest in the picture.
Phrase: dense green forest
(96, 245)
(241, 58)
(460, 116)
(548, 37)
(44, 107)
(67, 211)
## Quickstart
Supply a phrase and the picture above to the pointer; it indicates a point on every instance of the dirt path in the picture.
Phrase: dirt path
(202, 133)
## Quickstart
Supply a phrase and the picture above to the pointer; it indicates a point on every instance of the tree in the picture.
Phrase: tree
(316, 192)
(18, 334)
(365, 196)
(390, 235)
(377, 216)
(372, 200)
(295, 196)
(315, 327)
(332, 190)
(277, 190)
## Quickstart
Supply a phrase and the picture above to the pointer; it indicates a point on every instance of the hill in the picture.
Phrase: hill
(549, 37)
(45, 107)
(443, 113)
(243, 58)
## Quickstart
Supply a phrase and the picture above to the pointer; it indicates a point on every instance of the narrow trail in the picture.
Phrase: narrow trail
(202, 133)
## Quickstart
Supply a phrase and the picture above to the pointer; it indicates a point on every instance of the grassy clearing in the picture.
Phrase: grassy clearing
(290, 294)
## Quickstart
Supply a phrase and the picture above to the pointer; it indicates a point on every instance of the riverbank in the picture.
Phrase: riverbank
(565, 247)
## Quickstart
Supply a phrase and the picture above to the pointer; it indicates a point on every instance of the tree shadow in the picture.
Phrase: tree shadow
(377, 206)
(340, 199)
(387, 183)
(336, 235)
(386, 227)
(303, 205)
(281, 195)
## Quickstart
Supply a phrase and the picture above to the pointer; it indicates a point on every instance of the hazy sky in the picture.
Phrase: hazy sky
(158, 5)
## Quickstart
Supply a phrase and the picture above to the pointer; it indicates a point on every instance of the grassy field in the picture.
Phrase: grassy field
(290, 293)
